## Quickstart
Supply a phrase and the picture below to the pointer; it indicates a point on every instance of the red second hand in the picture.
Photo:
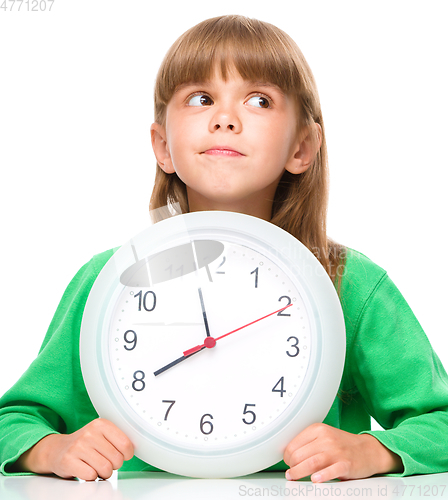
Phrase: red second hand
(210, 342)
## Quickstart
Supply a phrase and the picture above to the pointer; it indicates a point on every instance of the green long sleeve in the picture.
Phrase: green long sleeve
(50, 396)
(391, 372)
(402, 381)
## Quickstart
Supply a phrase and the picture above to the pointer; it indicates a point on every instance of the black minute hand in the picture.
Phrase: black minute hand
(204, 315)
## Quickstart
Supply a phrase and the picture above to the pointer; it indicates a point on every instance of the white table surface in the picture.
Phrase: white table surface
(161, 486)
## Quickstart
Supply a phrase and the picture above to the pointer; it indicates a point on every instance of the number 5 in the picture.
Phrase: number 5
(245, 412)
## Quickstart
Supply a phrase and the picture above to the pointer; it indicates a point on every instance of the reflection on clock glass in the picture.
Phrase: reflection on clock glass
(180, 372)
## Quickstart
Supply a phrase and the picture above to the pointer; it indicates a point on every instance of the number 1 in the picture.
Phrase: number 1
(256, 276)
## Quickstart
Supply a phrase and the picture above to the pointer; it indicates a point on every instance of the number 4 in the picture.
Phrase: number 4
(281, 390)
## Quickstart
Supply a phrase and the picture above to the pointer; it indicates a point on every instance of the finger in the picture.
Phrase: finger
(303, 453)
(76, 468)
(305, 468)
(335, 471)
(102, 467)
(106, 449)
(118, 439)
(304, 438)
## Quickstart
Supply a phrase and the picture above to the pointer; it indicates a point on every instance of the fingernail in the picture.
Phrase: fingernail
(288, 475)
(316, 478)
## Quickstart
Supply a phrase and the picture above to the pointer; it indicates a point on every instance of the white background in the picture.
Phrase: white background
(77, 167)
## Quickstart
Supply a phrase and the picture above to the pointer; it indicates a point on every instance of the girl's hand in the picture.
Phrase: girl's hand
(95, 451)
(326, 453)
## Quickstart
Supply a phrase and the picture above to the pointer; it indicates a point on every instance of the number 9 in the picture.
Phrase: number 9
(133, 341)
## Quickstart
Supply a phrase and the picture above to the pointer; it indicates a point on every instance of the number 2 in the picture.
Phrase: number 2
(282, 313)
(220, 265)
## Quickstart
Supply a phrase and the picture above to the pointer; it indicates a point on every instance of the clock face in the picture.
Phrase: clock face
(224, 394)
(209, 345)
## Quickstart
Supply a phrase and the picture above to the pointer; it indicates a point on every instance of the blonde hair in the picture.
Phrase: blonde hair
(259, 51)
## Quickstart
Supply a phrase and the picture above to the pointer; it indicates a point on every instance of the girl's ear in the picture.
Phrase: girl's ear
(160, 147)
(307, 150)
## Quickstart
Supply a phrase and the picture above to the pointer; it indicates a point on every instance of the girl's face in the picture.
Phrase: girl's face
(230, 142)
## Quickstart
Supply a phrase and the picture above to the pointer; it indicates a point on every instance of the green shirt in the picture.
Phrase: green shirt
(391, 372)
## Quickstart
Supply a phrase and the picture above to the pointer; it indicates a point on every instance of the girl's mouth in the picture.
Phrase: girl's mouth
(222, 151)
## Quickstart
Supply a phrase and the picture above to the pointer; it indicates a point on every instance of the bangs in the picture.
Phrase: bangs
(259, 51)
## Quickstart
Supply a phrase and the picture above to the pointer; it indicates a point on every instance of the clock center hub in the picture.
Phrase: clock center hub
(209, 342)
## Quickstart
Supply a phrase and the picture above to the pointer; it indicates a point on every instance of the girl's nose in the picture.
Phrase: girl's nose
(225, 120)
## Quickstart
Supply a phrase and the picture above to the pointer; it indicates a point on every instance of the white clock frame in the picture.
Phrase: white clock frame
(322, 379)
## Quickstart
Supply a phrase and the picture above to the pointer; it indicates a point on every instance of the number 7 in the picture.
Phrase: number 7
(169, 407)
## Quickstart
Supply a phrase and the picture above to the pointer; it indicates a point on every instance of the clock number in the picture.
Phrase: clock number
(170, 269)
(295, 347)
(256, 276)
(169, 407)
(220, 265)
(210, 429)
(281, 390)
(132, 341)
(245, 412)
(143, 301)
(138, 380)
(282, 313)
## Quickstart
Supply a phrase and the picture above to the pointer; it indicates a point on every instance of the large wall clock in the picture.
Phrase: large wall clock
(212, 339)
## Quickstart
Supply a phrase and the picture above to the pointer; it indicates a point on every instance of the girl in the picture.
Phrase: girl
(238, 127)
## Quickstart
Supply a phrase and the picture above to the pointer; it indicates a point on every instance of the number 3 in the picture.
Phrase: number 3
(295, 347)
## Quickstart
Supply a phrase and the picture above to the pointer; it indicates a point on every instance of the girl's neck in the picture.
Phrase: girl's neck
(260, 208)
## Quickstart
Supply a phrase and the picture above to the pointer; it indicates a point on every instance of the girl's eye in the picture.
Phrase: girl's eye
(200, 100)
(259, 102)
